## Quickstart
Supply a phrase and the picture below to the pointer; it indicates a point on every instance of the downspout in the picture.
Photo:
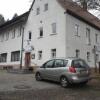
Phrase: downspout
(22, 49)
(21, 58)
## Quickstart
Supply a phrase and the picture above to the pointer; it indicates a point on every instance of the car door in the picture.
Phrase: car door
(47, 70)
(58, 68)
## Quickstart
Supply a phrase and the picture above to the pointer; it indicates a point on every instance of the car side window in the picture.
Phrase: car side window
(59, 63)
(65, 63)
(49, 64)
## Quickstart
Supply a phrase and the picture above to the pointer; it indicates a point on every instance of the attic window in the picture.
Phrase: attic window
(38, 11)
(46, 7)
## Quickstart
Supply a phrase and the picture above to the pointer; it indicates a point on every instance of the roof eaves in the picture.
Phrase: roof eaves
(82, 19)
(78, 12)
(20, 18)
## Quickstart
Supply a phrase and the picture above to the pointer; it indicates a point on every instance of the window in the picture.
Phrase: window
(77, 53)
(49, 64)
(76, 30)
(33, 56)
(41, 32)
(37, 11)
(3, 57)
(15, 56)
(88, 56)
(53, 53)
(2, 37)
(39, 55)
(88, 36)
(97, 57)
(7, 36)
(30, 35)
(46, 7)
(54, 28)
(96, 38)
(13, 34)
(20, 31)
(59, 63)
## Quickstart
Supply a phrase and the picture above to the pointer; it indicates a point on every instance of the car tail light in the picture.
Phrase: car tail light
(72, 69)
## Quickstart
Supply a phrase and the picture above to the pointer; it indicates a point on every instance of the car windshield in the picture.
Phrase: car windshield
(79, 63)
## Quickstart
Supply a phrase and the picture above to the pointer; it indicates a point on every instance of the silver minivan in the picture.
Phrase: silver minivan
(65, 71)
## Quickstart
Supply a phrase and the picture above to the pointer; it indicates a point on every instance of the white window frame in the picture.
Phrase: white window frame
(77, 30)
(77, 53)
(40, 55)
(54, 28)
(88, 36)
(88, 56)
(13, 33)
(38, 11)
(53, 53)
(46, 7)
(41, 32)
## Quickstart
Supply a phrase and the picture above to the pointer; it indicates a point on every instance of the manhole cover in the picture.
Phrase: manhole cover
(22, 87)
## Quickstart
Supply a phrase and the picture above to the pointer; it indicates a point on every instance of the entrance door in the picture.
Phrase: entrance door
(27, 59)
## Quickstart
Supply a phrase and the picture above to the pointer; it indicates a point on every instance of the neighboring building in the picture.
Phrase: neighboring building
(11, 40)
(52, 28)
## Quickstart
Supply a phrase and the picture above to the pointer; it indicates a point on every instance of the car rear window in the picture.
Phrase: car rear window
(79, 63)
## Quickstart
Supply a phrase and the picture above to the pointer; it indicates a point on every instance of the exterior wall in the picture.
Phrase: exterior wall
(55, 14)
(64, 40)
(80, 42)
(11, 44)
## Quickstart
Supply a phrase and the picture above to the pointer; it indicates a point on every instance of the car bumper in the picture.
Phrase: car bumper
(79, 80)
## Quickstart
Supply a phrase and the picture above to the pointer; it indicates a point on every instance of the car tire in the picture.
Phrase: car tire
(38, 76)
(84, 83)
(64, 82)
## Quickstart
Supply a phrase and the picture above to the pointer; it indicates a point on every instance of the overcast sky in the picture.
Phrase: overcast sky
(9, 7)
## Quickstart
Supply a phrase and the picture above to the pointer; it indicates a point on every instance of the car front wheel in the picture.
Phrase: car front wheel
(38, 76)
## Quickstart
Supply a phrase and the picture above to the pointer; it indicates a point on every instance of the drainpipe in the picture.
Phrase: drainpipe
(95, 58)
(22, 49)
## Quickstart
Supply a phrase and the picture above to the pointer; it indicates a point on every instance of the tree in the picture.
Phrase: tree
(89, 4)
(2, 20)
(15, 15)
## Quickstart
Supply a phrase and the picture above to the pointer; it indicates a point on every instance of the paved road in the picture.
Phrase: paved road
(24, 87)
(12, 82)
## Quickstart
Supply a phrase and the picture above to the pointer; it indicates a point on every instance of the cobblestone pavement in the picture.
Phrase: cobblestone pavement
(24, 87)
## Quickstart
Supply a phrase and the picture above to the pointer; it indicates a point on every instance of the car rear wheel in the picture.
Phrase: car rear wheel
(38, 76)
(64, 82)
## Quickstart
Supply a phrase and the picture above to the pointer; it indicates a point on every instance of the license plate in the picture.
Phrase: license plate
(83, 72)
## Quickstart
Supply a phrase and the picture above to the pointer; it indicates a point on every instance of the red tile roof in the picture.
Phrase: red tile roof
(75, 10)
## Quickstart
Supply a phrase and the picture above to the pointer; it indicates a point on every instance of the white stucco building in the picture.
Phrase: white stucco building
(51, 28)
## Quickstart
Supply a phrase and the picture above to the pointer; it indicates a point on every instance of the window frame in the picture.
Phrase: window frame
(40, 53)
(54, 28)
(46, 7)
(15, 56)
(77, 53)
(3, 58)
(53, 53)
(38, 11)
(88, 36)
(77, 30)
(88, 56)
(41, 32)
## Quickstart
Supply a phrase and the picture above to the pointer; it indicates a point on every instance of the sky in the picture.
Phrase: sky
(9, 7)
